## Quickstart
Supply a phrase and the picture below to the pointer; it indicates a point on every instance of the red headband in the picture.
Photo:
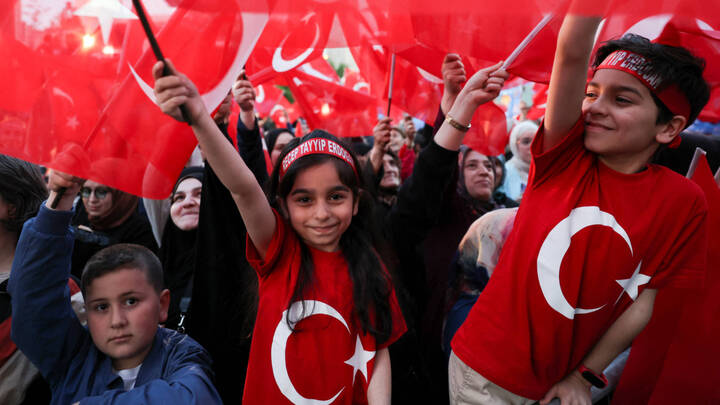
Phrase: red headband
(314, 146)
(641, 69)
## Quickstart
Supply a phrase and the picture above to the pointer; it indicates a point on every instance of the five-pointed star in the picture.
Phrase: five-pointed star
(106, 12)
(360, 359)
(72, 122)
(630, 285)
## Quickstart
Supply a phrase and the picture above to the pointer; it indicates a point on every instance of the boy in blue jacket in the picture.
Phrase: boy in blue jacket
(123, 356)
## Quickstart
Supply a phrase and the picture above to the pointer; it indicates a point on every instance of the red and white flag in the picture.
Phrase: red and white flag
(95, 99)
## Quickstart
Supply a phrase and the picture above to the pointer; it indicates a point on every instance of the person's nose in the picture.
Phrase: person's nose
(118, 318)
(322, 211)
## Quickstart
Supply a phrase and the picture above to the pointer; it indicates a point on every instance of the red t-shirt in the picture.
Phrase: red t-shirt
(327, 357)
(586, 241)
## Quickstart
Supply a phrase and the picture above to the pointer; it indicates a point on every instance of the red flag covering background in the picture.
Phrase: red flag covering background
(674, 360)
(332, 107)
(537, 110)
(266, 96)
(415, 90)
(711, 112)
(488, 132)
(91, 103)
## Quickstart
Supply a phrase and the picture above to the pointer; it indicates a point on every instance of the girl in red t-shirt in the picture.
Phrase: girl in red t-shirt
(315, 223)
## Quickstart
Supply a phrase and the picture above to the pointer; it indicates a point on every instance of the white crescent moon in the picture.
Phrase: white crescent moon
(553, 251)
(280, 338)
(429, 76)
(281, 64)
(253, 24)
(361, 85)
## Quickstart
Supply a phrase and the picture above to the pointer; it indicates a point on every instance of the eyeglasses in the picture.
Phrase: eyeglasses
(525, 141)
(100, 192)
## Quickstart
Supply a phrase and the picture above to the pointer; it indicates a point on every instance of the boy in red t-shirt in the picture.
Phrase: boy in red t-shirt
(599, 230)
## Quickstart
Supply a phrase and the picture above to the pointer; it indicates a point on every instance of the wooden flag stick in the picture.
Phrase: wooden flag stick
(156, 49)
(392, 78)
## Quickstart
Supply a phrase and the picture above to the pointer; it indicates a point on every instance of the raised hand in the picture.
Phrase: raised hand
(381, 135)
(175, 90)
(482, 87)
(244, 93)
(453, 74)
(409, 127)
(62, 181)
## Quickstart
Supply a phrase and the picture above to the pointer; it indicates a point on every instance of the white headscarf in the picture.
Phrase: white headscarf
(520, 129)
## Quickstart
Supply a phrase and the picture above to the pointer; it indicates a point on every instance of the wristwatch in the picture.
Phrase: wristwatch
(597, 380)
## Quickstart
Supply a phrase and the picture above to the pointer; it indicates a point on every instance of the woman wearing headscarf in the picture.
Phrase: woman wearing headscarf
(518, 167)
(178, 244)
(106, 216)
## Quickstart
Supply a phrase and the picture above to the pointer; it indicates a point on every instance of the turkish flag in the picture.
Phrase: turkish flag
(333, 107)
(488, 131)
(95, 98)
(415, 90)
(711, 112)
(539, 104)
(674, 360)
(266, 96)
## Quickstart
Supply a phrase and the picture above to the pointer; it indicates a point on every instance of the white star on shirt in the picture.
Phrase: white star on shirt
(360, 359)
(630, 285)
(106, 12)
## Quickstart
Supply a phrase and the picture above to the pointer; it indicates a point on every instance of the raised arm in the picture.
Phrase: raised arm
(381, 136)
(175, 90)
(44, 325)
(569, 76)
(249, 138)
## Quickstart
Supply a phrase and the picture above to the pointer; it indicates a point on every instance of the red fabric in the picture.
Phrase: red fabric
(711, 112)
(488, 131)
(415, 91)
(675, 358)
(558, 255)
(267, 95)
(537, 110)
(332, 107)
(89, 104)
(316, 352)
(407, 161)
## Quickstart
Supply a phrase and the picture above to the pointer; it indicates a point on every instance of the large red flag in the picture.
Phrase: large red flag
(415, 90)
(674, 360)
(95, 100)
(333, 107)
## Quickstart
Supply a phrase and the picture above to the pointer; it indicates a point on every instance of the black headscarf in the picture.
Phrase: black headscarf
(177, 255)
(273, 135)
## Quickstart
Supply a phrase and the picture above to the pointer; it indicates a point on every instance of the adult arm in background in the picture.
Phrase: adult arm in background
(421, 196)
(381, 135)
(175, 90)
(248, 131)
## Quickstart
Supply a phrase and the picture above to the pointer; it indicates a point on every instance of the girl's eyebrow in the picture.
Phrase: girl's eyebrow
(340, 187)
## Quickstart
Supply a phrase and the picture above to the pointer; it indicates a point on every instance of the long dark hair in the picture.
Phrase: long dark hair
(371, 284)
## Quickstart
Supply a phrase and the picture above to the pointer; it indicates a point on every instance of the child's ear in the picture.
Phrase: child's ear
(164, 304)
(671, 129)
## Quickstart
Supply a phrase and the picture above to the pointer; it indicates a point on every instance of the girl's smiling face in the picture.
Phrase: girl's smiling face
(320, 207)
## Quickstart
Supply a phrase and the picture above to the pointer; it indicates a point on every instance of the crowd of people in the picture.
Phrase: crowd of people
(404, 267)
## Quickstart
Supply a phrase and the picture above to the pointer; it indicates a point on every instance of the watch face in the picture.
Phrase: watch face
(593, 379)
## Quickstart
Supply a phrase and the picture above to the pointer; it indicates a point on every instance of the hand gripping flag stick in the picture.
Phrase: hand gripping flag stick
(156, 49)
(166, 71)
(392, 78)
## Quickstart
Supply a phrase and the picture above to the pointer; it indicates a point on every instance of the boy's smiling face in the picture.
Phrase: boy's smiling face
(124, 311)
(620, 114)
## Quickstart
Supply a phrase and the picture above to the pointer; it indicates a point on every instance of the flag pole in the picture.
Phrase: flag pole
(392, 78)
(525, 42)
(693, 164)
(156, 49)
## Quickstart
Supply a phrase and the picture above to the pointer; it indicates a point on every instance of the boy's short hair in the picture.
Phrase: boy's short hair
(674, 65)
(123, 256)
(22, 186)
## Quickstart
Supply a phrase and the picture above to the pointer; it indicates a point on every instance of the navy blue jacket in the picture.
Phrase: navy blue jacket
(44, 326)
